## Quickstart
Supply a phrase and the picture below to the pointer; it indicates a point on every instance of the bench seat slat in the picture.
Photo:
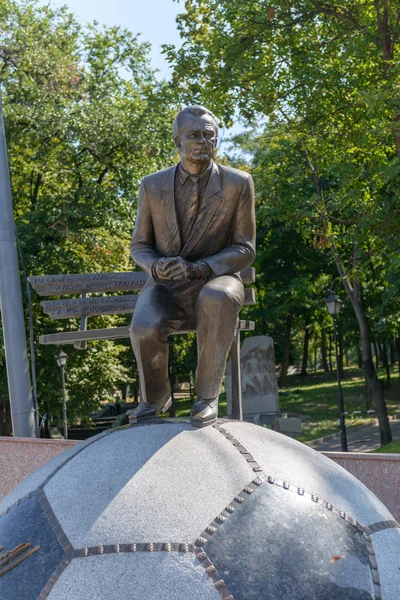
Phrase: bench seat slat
(59, 285)
(112, 333)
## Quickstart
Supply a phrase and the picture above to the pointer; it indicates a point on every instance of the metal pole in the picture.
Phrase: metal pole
(237, 409)
(19, 381)
(64, 402)
(343, 436)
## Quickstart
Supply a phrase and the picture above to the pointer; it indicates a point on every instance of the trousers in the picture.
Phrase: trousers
(210, 308)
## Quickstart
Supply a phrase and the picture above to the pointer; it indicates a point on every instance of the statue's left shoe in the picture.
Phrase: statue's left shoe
(204, 412)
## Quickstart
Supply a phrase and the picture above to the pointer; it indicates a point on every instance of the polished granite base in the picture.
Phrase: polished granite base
(165, 511)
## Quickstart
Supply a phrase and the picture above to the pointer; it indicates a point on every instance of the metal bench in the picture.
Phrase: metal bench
(85, 306)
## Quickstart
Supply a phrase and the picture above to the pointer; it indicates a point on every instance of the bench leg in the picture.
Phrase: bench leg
(237, 412)
(83, 327)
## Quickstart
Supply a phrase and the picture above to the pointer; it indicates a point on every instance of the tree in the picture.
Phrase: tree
(85, 120)
(325, 75)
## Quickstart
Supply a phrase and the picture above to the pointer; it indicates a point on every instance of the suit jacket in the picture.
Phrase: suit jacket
(223, 234)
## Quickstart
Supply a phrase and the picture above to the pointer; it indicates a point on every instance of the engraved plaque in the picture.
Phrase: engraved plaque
(58, 285)
(103, 305)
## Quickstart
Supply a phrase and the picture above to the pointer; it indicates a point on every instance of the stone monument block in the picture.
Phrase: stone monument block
(167, 511)
(259, 382)
(288, 425)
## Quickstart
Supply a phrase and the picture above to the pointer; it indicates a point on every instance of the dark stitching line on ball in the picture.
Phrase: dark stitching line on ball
(132, 548)
(201, 556)
(53, 579)
(62, 540)
(55, 525)
(381, 526)
(243, 451)
(213, 574)
(226, 513)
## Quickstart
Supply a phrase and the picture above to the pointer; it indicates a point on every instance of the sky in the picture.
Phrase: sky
(153, 19)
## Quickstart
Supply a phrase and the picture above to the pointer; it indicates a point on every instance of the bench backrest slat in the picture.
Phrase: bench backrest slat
(59, 285)
(103, 305)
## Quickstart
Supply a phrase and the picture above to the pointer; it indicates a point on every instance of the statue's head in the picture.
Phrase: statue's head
(196, 134)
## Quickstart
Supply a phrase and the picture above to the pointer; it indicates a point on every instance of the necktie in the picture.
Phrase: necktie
(192, 207)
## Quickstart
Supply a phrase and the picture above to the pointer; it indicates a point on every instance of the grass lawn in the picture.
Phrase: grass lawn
(314, 399)
(392, 448)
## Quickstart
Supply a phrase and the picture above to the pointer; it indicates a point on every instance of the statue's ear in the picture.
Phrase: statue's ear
(177, 141)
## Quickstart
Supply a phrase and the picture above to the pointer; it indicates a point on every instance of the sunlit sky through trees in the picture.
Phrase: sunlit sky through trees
(153, 19)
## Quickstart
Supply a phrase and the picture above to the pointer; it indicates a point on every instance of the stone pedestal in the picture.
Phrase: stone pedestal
(259, 383)
(165, 511)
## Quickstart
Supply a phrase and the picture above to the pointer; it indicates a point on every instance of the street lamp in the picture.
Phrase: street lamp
(62, 361)
(334, 304)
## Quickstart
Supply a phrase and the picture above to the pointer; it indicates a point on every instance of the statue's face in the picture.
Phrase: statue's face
(197, 138)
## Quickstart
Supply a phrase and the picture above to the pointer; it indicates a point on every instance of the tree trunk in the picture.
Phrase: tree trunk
(397, 342)
(286, 352)
(392, 353)
(354, 293)
(368, 394)
(385, 361)
(359, 357)
(323, 351)
(307, 335)
(376, 352)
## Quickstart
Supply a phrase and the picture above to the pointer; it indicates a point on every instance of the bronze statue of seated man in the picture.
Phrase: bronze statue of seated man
(194, 232)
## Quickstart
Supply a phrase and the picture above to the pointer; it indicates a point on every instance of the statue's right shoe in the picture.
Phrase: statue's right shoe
(149, 410)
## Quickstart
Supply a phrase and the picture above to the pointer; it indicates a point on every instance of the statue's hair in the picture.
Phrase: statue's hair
(193, 110)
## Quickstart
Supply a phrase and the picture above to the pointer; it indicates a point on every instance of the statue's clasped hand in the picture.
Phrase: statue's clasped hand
(176, 268)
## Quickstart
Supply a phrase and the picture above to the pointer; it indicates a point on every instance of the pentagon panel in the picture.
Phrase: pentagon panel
(30, 552)
(282, 545)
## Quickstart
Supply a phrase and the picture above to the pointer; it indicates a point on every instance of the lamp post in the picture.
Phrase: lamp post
(62, 361)
(334, 304)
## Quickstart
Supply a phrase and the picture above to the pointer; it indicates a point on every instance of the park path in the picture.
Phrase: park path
(359, 439)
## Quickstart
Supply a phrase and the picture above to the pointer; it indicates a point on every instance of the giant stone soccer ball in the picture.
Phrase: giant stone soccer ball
(168, 512)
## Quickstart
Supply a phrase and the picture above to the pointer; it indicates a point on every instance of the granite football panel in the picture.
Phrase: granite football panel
(385, 545)
(29, 551)
(279, 545)
(168, 481)
(139, 576)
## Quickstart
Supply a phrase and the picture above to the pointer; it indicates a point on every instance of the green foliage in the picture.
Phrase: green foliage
(323, 78)
(85, 120)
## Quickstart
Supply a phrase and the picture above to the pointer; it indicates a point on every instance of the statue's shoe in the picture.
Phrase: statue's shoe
(149, 410)
(204, 412)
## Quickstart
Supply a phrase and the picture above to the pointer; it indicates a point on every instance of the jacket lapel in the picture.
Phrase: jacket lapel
(168, 204)
(208, 206)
